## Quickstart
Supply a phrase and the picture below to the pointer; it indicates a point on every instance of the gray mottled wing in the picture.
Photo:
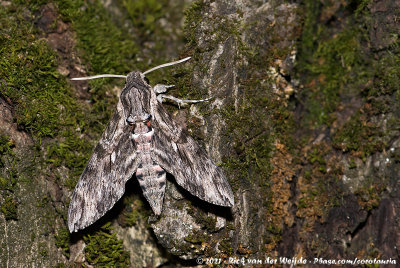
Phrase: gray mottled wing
(102, 183)
(179, 154)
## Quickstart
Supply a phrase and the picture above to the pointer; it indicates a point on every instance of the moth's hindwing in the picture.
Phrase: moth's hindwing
(102, 183)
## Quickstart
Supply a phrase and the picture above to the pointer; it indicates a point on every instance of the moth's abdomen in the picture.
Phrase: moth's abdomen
(152, 181)
(151, 176)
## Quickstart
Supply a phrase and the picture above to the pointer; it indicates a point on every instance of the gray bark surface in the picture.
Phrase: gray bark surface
(303, 119)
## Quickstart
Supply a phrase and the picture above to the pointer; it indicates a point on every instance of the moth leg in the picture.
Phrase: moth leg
(180, 102)
(159, 88)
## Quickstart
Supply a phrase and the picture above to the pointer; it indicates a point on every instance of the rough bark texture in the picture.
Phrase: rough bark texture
(304, 121)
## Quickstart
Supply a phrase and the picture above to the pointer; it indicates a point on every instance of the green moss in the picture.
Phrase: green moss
(193, 16)
(131, 218)
(6, 145)
(302, 203)
(43, 103)
(42, 201)
(319, 186)
(72, 152)
(103, 249)
(208, 223)
(332, 63)
(316, 157)
(182, 76)
(104, 46)
(338, 65)
(61, 265)
(62, 241)
(252, 144)
(196, 237)
(384, 94)
(359, 135)
(309, 38)
(3, 183)
(225, 246)
(30, 78)
(8, 178)
(221, 28)
(9, 208)
(274, 229)
(43, 250)
(198, 243)
(369, 193)
(33, 236)
(133, 212)
(339, 62)
(335, 65)
(249, 162)
(144, 13)
(352, 164)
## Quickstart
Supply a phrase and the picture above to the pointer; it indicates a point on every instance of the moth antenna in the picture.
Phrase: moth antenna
(99, 76)
(124, 76)
(166, 65)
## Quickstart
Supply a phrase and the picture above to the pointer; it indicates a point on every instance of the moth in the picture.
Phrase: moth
(142, 138)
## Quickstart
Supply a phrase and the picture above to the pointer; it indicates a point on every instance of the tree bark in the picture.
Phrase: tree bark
(303, 120)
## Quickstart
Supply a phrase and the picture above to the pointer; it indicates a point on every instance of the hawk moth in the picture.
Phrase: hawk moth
(142, 138)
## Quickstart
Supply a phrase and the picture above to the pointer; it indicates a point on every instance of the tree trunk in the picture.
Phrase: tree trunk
(303, 119)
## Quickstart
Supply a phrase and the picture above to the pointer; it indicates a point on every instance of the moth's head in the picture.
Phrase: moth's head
(138, 79)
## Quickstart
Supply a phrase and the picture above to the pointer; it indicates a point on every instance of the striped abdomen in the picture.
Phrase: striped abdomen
(150, 175)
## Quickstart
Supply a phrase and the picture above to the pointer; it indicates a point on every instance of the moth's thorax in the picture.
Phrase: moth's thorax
(142, 128)
(136, 97)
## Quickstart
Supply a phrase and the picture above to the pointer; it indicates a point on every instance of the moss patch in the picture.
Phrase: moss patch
(6, 145)
(193, 16)
(9, 208)
(30, 79)
(145, 14)
(332, 62)
(134, 210)
(319, 184)
(62, 241)
(8, 178)
(350, 95)
(360, 136)
(225, 247)
(104, 249)
(44, 104)
(105, 47)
